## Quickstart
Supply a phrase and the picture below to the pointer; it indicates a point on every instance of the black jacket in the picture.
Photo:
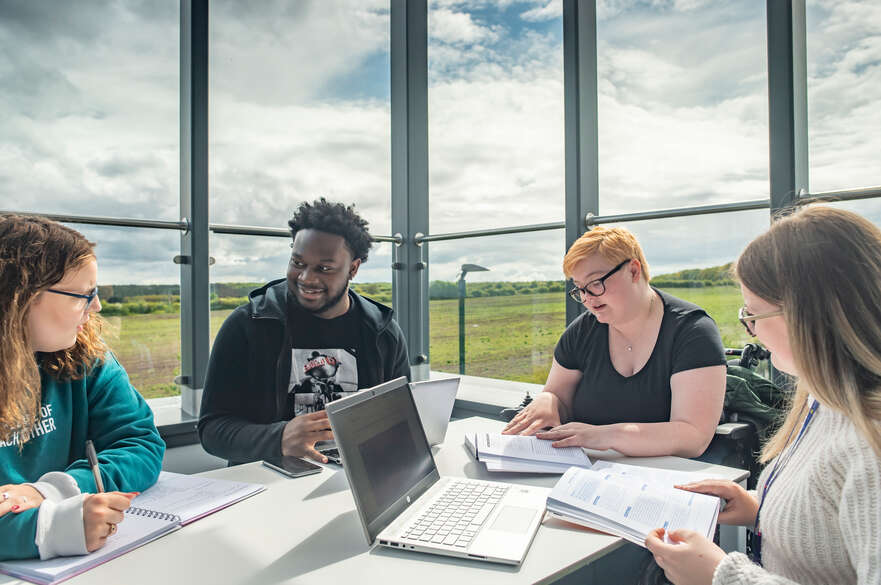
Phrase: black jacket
(245, 403)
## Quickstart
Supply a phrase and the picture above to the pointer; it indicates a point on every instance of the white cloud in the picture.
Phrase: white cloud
(549, 11)
(844, 92)
(447, 26)
(683, 121)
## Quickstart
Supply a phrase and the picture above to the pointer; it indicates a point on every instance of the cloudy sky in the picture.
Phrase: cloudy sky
(300, 108)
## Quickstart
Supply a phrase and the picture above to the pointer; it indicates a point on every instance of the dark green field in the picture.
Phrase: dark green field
(508, 337)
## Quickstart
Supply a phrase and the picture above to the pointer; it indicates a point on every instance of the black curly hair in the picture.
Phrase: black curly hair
(334, 218)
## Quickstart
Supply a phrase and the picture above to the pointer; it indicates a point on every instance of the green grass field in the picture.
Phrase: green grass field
(508, 337)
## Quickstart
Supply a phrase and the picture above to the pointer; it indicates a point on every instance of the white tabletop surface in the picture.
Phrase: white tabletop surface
(306, 530)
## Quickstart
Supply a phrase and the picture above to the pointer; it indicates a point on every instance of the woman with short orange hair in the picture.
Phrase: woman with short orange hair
(641, 371)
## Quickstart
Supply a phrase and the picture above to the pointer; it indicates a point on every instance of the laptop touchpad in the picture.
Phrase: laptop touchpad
(514, 519)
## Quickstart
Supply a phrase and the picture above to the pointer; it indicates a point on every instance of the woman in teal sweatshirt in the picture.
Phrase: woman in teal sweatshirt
(60, 386)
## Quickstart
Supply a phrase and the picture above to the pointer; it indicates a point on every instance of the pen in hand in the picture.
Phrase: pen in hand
(93, 463)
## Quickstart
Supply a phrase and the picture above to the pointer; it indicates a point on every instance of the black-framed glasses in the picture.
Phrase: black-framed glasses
(89, 297)
(748, 320)
(596, 287)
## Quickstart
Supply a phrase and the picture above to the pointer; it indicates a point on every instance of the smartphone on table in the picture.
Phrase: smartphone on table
(292, 466)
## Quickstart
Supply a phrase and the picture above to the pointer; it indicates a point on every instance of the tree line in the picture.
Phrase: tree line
(129, 299)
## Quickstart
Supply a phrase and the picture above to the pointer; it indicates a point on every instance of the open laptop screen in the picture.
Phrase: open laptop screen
(386, 455)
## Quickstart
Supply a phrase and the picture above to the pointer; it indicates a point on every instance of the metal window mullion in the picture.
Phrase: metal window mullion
(195, 304)
(409, 173)
(787, 102)
(581, 123)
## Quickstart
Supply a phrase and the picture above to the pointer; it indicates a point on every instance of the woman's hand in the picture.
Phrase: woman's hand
(691, 559)
(17, 498)
(577, 435)
(101, 514)
(740, 507)
(542, 412)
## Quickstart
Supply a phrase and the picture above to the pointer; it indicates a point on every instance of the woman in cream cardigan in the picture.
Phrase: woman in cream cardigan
(812, 294)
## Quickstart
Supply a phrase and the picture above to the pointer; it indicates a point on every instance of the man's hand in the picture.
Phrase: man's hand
(17, 498)
(101, 514)
(302, 432)
(542, 412)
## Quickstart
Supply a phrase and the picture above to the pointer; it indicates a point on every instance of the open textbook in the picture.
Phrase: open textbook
(630, 501)
(523, 454)
(174, 501)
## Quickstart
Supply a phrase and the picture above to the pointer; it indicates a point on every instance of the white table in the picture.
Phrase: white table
(306, 530)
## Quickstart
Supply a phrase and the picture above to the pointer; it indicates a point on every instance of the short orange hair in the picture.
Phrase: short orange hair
(614, 244)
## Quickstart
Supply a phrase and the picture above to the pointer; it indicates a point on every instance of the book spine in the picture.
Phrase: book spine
(153, 514)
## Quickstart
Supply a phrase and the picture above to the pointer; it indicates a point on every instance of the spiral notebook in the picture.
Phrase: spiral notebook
(174, 501)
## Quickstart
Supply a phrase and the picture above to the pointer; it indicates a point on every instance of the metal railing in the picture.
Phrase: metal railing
(182, 225)
(592, 220)
(589, 221)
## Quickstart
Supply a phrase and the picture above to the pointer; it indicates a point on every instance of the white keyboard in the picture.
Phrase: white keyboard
(456, 516)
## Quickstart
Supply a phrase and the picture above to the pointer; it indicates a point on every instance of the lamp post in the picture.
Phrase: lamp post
(465, 269)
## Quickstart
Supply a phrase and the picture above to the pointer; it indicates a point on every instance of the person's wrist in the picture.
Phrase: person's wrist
(609, 436)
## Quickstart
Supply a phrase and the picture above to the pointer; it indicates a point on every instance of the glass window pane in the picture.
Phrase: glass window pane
(688, 257)
(139, 288)
(514, 312)
(495, 100)
(89, 100)
(300, 108)
(868, 208)
(844, 94)
(682, 104)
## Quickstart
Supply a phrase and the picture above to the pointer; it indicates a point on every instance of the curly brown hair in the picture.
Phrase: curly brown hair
(36, 253)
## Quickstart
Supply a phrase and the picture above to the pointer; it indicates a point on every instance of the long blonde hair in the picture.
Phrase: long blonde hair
(36, 253)
(822, 266)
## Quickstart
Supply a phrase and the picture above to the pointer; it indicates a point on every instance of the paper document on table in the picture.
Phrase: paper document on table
(651, 475)
(630, 507)
(494, 463)
(515, 453)
(530, 448)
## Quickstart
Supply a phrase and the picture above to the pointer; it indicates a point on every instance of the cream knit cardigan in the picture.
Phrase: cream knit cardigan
(821, 523)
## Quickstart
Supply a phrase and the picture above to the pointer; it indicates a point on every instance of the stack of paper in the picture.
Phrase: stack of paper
(523, 454)
(630, 501)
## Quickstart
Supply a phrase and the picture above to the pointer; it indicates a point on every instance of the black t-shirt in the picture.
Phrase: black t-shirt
(688, 339)
(324, 356)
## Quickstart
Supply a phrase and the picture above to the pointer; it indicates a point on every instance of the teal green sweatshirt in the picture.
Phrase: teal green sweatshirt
(103, 407)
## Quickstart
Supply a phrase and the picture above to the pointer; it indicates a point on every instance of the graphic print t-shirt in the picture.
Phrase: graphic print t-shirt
(324, 357)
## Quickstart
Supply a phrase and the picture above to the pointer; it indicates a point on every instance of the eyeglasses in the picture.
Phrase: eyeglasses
(749, 320)
(594, 288)
(89, 297)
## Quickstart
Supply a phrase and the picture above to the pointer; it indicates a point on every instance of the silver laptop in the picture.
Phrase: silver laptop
(434, 402)
(401, 499)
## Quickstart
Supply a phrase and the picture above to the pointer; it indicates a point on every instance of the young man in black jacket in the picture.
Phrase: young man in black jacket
(297, 344)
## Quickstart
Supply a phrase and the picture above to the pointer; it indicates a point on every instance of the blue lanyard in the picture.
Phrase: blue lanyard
(772, 476)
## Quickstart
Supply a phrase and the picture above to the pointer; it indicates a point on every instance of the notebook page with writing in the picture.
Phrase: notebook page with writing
(136, 529)
(191, 497)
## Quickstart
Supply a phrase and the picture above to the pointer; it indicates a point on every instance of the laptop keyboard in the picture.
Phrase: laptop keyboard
(456, 517)
(332, 454)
